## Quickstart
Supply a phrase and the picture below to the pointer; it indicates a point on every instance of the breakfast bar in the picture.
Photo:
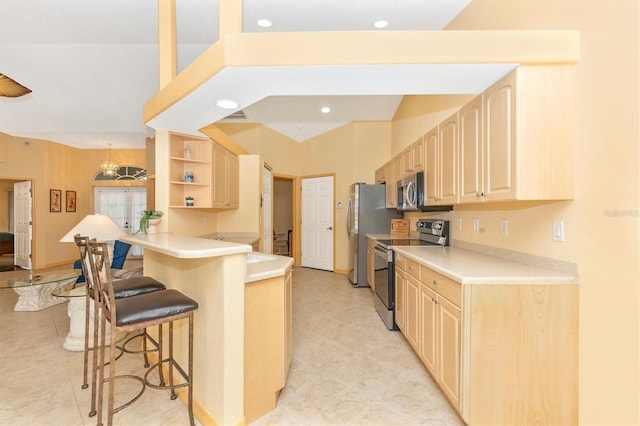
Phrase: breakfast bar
(213, 273)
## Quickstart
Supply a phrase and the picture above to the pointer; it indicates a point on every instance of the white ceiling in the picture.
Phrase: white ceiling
(92, 65)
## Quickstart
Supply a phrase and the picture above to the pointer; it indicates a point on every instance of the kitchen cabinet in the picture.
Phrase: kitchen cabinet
(441, 156)
(411, 311)
(371, 263)
(483, 343)
(380, 176)
(523, 148)
(267, 343)
(400, 284)
(213, 171)
(471, 151)
(413, 157)
(189, 154)
(440, 325)
(225, 179)
(393, 172)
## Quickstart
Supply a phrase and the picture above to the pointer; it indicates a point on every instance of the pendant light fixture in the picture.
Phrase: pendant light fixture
(109, 167)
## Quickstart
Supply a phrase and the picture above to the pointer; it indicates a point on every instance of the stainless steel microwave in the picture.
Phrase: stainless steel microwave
(411, 193)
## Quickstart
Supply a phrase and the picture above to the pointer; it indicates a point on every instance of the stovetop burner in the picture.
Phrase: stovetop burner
(404, 242)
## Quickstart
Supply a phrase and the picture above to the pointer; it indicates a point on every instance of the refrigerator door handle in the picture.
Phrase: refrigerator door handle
(349, 217)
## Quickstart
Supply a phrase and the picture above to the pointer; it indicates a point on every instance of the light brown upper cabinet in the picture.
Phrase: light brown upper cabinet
(413, 157)
(189, 155)
(225, 179)
(441, 154)
(390, 182)
(516, 139)
(380, 176)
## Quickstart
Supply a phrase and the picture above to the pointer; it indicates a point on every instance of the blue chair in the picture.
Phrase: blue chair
(120, 251)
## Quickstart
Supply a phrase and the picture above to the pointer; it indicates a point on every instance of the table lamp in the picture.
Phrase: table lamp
(98, 226)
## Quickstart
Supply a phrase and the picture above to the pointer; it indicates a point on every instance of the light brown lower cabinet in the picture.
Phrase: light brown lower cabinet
(500, 353)
(267, 343)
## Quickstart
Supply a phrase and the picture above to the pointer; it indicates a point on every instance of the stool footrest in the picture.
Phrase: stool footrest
(135, 398)
(172, 364)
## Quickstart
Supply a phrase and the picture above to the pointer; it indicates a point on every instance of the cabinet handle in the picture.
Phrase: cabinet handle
(435, 282)
(479, 194)
(412, 267)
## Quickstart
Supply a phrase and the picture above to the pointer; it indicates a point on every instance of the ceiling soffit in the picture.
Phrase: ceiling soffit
(246, 68)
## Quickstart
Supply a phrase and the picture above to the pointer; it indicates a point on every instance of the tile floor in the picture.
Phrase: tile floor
(347, 368)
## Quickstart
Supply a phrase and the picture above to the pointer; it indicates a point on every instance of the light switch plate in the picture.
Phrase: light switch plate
(459, 224)
(503, 227)
(476, 225)
(558, 230)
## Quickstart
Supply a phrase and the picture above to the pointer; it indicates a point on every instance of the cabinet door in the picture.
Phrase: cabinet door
(431, 166)
(428, 320)
(399, 294)
(412, 311)
(288, 322)
(391, 185)
(499, 139)
(407, 161)
(380, 175)
(449, 328)
(371, 259)
(233, 181)
(417, 150)
(448, 153)
(398, 161)
(219, 176)
(471, 167)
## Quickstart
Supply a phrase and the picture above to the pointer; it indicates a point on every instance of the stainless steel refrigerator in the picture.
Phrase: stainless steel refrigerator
(366, 214)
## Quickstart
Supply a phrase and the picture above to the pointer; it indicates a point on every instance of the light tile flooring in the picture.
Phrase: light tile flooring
(347, 368)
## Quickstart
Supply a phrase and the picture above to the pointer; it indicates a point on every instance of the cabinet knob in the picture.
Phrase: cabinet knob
(435, 282)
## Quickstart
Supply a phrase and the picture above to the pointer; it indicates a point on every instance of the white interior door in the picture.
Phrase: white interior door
(22, 224)
(267, 219)
(124, 206)
(317, 223)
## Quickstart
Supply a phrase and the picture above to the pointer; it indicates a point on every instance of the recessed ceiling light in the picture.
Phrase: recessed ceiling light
(381, 24)
(325, 110)
(264, 23)
(227, 104)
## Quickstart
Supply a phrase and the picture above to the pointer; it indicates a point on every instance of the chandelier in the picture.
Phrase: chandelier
(109, 167)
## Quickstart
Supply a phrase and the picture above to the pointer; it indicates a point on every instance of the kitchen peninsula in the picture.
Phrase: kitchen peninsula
(214, 273)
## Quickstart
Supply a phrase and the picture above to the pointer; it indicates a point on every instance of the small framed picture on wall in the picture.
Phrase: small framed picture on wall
(71, 201)
(55, 200)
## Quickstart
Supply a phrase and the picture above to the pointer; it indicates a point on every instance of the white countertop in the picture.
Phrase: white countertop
(261, 266)
(183, 247)
(468, 267)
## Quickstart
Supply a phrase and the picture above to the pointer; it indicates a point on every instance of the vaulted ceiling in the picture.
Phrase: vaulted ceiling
(92, 65)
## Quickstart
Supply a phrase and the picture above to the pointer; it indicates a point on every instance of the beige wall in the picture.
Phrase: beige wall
(601, 224)
(54, 166)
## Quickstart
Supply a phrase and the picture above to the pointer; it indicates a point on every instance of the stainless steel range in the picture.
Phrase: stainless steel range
(432, 232)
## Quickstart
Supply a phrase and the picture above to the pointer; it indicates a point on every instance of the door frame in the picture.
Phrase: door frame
(297, 215)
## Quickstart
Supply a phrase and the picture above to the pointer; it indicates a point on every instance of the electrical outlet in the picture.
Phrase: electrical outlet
(503, 227)
(459, 224)
(558, 230)
(476, 225)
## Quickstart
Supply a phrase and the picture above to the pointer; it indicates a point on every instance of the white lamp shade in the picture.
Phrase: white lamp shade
(98, 226)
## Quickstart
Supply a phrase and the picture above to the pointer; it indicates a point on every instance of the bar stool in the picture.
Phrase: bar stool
(123, 288)
(135, 313)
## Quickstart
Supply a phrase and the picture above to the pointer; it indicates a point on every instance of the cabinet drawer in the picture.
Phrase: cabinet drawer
(446, 287)
(399, 261)
(413, 268)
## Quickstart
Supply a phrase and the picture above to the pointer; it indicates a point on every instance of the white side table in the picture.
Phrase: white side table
(76, 310)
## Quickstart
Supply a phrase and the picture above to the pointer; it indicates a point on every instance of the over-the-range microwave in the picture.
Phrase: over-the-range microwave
(411, 196)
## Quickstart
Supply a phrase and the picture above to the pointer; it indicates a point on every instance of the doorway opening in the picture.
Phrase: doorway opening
(284, 215)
